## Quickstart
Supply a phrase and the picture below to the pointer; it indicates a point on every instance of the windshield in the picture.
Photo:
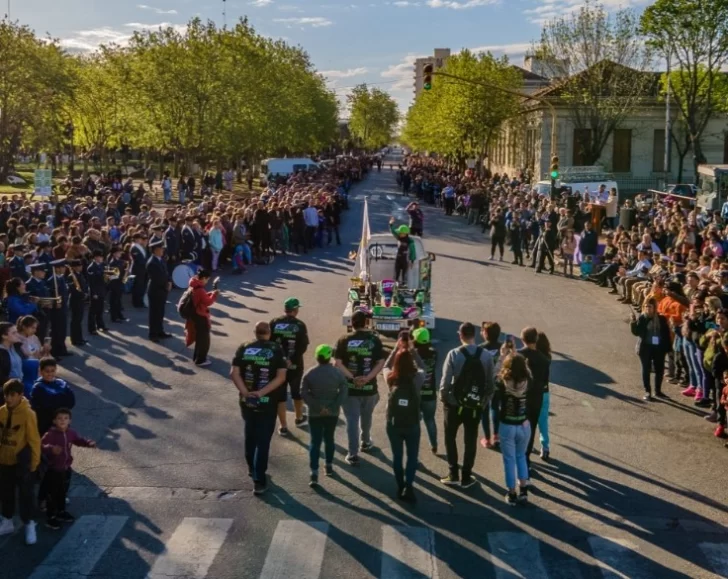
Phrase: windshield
(379, 251)
(543, 189)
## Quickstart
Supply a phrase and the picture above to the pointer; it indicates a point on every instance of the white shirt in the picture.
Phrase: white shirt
(310, 216)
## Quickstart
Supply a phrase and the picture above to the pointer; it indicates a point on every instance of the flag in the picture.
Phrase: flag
(366, 234)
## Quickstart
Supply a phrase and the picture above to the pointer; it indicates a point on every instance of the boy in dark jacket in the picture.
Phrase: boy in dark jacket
(56, 447)
(50, 393)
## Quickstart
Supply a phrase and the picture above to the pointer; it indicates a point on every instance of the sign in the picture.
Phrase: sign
(388, 327)
(43, 182)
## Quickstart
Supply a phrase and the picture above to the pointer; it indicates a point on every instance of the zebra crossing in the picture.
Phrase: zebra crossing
(406, 552)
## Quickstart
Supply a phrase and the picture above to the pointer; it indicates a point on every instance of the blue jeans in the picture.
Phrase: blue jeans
(322, 430)
(359, 409)
(429, 408)
(259, 427)
(408, 437)
(167, 195)
(694, 358)
(491, 413)
(513, 443)
(543, 421)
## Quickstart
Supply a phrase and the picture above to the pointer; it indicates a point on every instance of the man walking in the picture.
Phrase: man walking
(360, 356)
(258, 370)
(466, 387)
(157, 291)
(539, 365)
(291, 335)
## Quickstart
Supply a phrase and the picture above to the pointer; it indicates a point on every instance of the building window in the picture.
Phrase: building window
(658, 151)
(582, 143)
(622, 151)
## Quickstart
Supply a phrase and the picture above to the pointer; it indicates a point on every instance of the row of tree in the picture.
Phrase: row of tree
(203, 94)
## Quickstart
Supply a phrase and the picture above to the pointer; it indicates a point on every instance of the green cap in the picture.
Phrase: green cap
(324, 351)
(291, 304)
(421, 335)
(403, 230)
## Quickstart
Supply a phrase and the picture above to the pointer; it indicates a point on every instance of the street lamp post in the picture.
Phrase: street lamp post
(668, 119)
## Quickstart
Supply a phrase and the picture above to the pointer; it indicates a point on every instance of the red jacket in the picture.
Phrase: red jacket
(55, 437)
(202, 300)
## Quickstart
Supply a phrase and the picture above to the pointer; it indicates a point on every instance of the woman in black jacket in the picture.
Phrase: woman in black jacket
(653, 343)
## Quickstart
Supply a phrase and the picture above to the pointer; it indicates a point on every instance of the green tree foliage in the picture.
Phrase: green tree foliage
(373, 116)
(694, 35)
(603, 60)
(457, 119)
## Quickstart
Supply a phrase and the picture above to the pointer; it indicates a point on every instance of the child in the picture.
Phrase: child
(568, 248)
(239, 258)
(19, 459)
(32, 350)
(50, 393)
(720, 431)
(586, 267)
(56, 447)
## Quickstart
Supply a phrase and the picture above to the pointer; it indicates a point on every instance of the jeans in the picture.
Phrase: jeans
(409, 437)
(167, 195)
(359, 409)
(322, 430)
(259, 427)
(454, 417)
(513, 442)
(543, 421)
(491, 413)
(429, 408)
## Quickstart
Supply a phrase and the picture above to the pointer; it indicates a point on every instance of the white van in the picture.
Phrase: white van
(287, 166)
(544, 187)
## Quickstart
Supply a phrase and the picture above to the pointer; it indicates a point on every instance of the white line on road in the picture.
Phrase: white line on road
(408, 553)
(297, 550)
(717, 555)
(618, 558)
(516, 554)
(77, 553)
(191, 549)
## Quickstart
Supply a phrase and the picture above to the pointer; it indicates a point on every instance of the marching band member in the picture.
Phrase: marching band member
(97, 291)
(157, 291)
(115, 285)
(78, 289)
(58, 288)
(17, 262)
(138, 270)
(37, 288)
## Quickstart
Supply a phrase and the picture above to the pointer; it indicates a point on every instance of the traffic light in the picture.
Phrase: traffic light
(427, 74)
(554, 167)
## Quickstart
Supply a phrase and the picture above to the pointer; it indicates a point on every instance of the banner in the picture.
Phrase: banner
(366, 234)
(43, 182)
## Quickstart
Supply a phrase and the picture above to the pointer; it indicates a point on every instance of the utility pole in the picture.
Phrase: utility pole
(668, 120)
(224, 14)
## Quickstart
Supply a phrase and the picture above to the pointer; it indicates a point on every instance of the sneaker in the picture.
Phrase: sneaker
(719, 432)
(259, 487)
(661, 395)
(283, 431)
(366, 447)
(6, 526)
(702, 403)
(313, 480)
(712, 417)
(53, 523)
(451, 479)
(647, 397)
(523, 495)
(467, 481)
(203, 364)
(301, 421)
(690, 391)
(65, 517)
(512, 499)
(329, 470)
(545, 454)
(433, 449)
(352, 460)
(30, 535)
(408, 495)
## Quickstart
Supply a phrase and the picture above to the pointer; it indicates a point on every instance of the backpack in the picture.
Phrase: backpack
(469, 386)
(403, 407)
(186, 305)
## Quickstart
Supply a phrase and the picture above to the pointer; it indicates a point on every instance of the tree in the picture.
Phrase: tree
(695, 34)
(373, 116)
(603, 62)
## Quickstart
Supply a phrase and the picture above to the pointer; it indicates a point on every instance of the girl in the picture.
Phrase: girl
(568, 249)
(18, 303)
(216, 239)
(544, 346)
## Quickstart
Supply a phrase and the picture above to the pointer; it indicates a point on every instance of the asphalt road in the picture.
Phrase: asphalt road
(633, 490)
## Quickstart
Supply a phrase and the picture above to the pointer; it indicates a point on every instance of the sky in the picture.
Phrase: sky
(350, 41)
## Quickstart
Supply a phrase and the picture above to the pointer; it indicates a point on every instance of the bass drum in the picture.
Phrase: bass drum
(183, 273)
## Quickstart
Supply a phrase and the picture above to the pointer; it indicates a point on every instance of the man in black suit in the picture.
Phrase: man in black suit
(189, 240)
(172, 242)
(138, 270)
(97, 290)
(59, 313)
(157, 291)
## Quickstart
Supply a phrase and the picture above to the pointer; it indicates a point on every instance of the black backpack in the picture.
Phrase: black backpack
(185, 305)
(469, 386)
(403, 407)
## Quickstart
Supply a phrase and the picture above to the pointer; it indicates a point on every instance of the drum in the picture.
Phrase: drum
(183, 273)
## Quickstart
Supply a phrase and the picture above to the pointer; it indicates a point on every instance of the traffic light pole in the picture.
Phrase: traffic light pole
(511, 92)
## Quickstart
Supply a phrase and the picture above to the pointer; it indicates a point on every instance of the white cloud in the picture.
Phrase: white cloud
(289, 8)
(90, 40)
(549, 10)
(459, 5)
(405, 4)
(260, 3)
(348, 73)
(515, 49)
(312, 21)
(180, 28)
(155, 10)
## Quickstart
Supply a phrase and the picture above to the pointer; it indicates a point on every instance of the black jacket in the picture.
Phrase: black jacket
(639, 329)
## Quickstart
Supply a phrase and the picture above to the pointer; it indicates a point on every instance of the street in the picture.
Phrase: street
(632, 490)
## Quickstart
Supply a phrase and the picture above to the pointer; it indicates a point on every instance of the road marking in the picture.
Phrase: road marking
(618, 558)
(408, 553)
(191, 549)
(717, 555)
(297, 549)
(516, 554)
(77, 553)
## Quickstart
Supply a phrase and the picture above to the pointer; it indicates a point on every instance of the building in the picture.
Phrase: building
(438, 60)
(633, 152)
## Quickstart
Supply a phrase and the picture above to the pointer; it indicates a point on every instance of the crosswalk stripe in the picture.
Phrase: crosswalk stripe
(191, 549)
(717, 555)
(408, 553)
(618, 558)
(297, 550)
(516, 554)
(78, 552)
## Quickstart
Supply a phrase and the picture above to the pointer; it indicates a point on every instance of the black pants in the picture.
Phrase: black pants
(470, 420)
(56, 484)
(115, 307)
(96, 315)
(202, 339)
(77, 308)
(544, 253)
(517, 255)
(416, 231)
(400, 270)
(13, 479)
(334, 229)
(157, 303)
(259, 428)
(649, 358)
(59, 330)
(449, 205)
(42, 331)
(310, 237)
(533, 415)
(496, 242)
(137, 291)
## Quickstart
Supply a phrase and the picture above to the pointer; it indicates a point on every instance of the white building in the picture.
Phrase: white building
(438, 60)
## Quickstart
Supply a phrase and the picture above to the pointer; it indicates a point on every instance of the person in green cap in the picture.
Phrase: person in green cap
(428, 394)
(292, 335)
(324, 390)
(406, 252)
